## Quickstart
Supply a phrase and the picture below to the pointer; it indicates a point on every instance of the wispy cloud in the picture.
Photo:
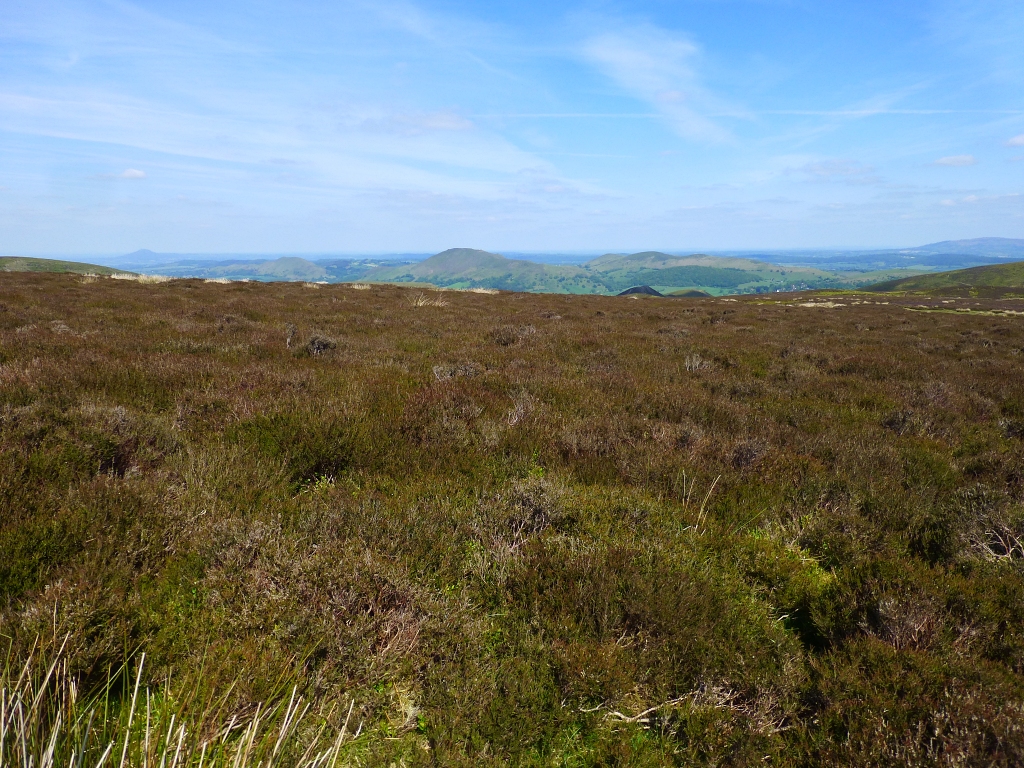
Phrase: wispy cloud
(364, 146)
(398, 123)
(980, 199)
(660, 69)
(987, 31)
(843, 171)
(957, 161)
(462, 36)
(751, 113)
(414, 123)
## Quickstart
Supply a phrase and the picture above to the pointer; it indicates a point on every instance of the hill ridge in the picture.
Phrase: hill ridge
(991, 281)
(35, 264)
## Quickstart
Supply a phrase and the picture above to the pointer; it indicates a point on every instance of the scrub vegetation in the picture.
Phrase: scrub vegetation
(287, 524)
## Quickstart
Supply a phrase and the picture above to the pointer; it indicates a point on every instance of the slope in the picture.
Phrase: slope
(28, 264)
(993, 281)
(284, 268)
(714, 274)
(472, 268)
(984, 247)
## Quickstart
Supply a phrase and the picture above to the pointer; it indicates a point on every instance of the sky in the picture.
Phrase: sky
(376, 127)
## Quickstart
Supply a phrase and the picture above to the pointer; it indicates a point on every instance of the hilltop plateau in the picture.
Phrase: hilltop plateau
(322, 525)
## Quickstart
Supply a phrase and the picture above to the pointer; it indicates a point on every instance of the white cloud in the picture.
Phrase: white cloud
(133, 173)
(362, 147)
(957, 161)
(659, 68)
(1016, 141)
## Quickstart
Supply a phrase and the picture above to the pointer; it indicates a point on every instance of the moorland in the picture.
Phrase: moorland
(300, 524)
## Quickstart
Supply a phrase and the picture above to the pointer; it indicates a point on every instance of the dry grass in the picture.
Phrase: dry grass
(47, 720)
(141, 278)
(510, 529)
(422, 300)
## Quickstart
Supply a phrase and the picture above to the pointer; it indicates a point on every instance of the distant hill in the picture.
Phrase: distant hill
(948, 254)
(994, 281)
(641, 290)
(611, 262)
(691, 294)
(471, 268)
(28, 264)
(612, 274)
(669, 273)
(285, 268)
(988, 247)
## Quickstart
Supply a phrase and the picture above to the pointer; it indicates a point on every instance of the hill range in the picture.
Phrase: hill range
(467, 268)
(613, 273)
(948, 254)
(715, 274)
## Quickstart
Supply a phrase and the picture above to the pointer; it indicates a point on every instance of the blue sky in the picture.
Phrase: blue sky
(362, 127)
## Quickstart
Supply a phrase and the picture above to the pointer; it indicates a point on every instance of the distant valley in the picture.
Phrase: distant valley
(613, 273)
(467, 268)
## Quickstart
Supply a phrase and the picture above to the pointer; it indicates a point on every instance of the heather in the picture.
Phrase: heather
(291, 524)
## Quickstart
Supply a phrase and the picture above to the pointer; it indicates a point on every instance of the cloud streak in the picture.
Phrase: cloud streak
(660, 69)
(957, 161)
(843, 171)
(412, 121)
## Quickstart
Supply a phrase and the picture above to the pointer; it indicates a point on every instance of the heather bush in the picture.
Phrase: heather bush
(505, 529)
